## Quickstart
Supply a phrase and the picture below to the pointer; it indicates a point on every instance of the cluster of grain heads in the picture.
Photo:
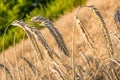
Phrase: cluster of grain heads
(102, 66)
(33, 32)
(104, 28)
(84, 67)
(48, 24)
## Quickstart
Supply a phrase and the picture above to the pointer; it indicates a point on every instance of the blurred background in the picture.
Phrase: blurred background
(11, 10)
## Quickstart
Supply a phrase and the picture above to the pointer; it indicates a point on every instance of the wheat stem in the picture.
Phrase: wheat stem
(3, 54)
(73, 47)
(15, 56)
(24, 75)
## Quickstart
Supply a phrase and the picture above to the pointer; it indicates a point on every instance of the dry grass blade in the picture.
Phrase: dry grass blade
(115, 74)
(104, 29)
(6, 70)
(100, 66)
(80, 70)
(30, 65)
(35, 32)
(56, 69)
(114, 36)
(59, 63)
(106, 71)
(84, 59)
(61, 68)
(83, 73)
(11, 68)
(47, 23)
(9, 62)
(115, 61)
(57, 73)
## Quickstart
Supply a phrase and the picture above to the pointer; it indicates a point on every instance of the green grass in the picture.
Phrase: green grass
(56, 8)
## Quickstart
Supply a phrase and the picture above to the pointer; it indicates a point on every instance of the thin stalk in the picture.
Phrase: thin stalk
(3, 54)
(73, 47)
(24, 76)
(15, 56)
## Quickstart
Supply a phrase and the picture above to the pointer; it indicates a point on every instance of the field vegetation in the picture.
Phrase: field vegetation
(81, 45)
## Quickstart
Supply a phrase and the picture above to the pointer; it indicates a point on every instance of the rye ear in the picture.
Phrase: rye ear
(57, 36)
